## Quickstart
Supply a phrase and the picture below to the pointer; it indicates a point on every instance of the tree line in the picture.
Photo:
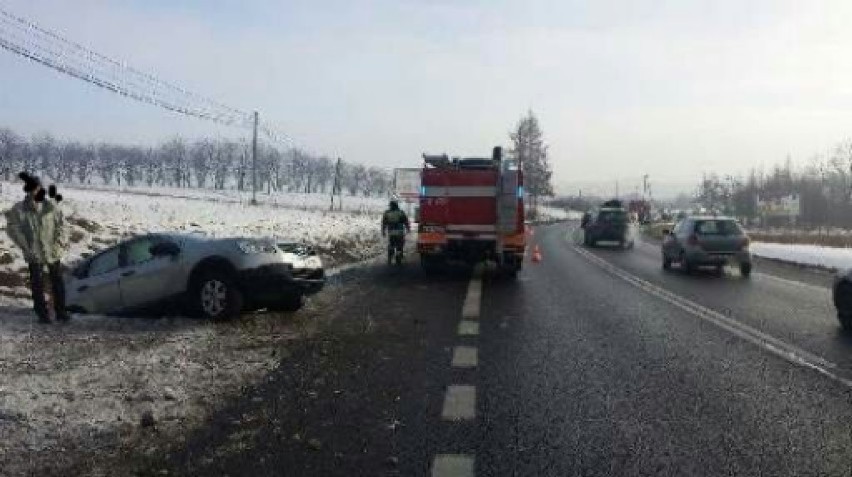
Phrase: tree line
(823, 187)
(204, 163)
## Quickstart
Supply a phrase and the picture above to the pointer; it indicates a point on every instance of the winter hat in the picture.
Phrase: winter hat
(51, 192)
(31, 182)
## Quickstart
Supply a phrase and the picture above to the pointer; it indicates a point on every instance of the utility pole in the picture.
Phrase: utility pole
(616, 188)
(254, 163)
(644, 186)
(336, 184)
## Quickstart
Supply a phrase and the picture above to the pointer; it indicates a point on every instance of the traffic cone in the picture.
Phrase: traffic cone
(536, 255)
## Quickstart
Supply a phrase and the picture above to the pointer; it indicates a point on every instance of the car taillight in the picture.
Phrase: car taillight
(692, 240)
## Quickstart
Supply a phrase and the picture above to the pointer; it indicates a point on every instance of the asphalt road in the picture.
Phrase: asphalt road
(594, 362)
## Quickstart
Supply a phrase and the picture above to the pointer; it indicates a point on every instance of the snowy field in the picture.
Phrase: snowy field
(85, 386)
(813, 255)
(553, 214)
(291, 200)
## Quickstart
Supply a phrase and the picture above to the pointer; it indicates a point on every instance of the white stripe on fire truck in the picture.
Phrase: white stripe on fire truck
(472, 237)
(471, 228)
(458, 191)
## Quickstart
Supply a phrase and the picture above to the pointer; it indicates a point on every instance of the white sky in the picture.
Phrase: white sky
(671, 89)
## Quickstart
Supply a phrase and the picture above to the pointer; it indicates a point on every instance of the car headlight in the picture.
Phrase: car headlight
(312, 262)
(256, 246)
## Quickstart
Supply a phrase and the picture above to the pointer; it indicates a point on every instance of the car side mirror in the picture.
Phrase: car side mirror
(164, 249)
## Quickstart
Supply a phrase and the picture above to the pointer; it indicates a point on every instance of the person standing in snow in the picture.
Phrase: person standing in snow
(395, 225)
(36, 225)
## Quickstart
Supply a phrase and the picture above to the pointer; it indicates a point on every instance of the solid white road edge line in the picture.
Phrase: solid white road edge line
(780, 348)
(794, 283)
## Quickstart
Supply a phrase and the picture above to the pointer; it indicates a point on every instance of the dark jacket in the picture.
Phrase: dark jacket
(395, 222)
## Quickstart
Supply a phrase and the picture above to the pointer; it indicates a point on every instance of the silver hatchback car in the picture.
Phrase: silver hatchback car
(213, 278)
(707, 241)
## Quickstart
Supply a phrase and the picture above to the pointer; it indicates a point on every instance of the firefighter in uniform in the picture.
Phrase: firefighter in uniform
(395, 225)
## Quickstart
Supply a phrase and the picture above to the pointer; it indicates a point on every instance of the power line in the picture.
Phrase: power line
(23, 37)
(121, 65)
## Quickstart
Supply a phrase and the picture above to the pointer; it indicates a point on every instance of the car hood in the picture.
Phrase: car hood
(299, 255)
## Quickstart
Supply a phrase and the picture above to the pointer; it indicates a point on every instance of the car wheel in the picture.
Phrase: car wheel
(845, 319)
(216, 296)
(291, 304)
(667, 262)
(745, 269)
(687, 266)
(843, 302)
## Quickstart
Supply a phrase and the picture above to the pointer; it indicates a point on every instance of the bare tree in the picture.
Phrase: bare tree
(529, 149)
(10, 152)
(202, 155)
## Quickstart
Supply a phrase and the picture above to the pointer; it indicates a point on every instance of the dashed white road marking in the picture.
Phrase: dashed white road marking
(453, 465)
(465, 357)
(467, 328)
(473, 299)
(787, 351)
(459, 402)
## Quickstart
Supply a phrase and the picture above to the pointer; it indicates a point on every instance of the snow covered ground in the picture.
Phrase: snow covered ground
(102, 217)
(291, 200)
(83, 387)
(813, 255)
(554, 214)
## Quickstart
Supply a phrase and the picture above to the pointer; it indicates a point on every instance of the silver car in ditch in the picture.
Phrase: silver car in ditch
(191, 273)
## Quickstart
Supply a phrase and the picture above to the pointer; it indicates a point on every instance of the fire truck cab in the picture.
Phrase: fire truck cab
(471, 210)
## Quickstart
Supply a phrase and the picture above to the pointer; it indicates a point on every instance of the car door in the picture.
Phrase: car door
(146, 279)
(99, 290)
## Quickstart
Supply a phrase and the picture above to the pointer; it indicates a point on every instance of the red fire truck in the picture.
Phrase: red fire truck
(472, 210)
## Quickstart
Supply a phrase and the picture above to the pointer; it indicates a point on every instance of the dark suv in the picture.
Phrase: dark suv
(607, 224)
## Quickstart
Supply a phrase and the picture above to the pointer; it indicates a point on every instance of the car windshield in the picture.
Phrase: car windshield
(613, 216)
(717, 227)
